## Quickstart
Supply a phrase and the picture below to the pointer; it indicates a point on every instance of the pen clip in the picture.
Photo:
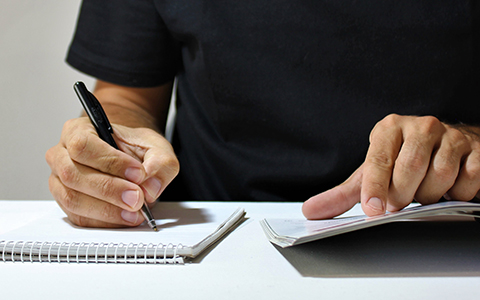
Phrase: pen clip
(99, 113)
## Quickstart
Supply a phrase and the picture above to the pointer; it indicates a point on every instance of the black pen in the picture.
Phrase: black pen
(105, 131)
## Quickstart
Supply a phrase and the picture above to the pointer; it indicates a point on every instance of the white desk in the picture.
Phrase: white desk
(246, 265)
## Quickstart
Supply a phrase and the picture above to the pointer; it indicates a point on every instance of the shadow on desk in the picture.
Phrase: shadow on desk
(402, 249)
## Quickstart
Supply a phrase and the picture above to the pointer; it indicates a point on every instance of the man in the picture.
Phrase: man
(276, 101)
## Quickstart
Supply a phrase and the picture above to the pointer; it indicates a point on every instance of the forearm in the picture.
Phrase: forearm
(135, 107)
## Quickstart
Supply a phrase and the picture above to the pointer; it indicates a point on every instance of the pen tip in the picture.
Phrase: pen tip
(155, 229)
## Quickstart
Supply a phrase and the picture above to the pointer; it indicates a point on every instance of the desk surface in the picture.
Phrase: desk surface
(246, 265)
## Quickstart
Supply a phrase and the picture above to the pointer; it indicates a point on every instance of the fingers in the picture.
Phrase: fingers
(159, 160)
(97, 185)
(467, 183)
(420, 158)
(86, 211)
(335, 201)
(108, 188)
(91, 198)
(385, 143)
(420, 138)
(86, 148)
(443, 171)
(409, 158)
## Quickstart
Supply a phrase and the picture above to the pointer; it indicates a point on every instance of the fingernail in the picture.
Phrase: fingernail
(376, 204)
(134, 174)
(153, 186)
(130, 197)
(129, 216)
(447, 197)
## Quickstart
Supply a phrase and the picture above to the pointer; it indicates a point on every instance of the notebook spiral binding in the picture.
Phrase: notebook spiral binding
(61, 252)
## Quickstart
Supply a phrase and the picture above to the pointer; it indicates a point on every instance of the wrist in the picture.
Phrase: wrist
(130, 115)
(135, 107)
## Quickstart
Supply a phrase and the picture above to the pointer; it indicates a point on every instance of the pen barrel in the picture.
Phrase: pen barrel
(106, 136)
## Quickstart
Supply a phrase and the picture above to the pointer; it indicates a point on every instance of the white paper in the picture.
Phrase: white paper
(288, 232)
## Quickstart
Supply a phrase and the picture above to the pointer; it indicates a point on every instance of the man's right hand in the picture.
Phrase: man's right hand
(97, 185)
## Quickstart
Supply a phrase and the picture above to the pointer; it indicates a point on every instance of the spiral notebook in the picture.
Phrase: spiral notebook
(185, 231)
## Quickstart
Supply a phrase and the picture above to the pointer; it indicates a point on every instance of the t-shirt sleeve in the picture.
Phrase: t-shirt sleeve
(124, 42)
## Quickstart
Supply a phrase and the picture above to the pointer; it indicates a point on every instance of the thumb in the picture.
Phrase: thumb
(335, 201)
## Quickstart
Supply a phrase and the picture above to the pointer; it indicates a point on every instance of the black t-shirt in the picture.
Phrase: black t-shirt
(276, 99)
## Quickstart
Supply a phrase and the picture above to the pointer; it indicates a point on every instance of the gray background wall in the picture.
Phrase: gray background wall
(36, 92)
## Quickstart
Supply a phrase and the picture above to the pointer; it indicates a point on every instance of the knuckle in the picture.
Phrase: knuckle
(68, 174)
(471, 174)
(430, 125)
(381, 160)
(427, 129)
(445, 172)
(458, 142)
(457, 136)
(446, 166)
(389, 121)
(469, 185)
(77, 146)
(387, 124)
(68, 125)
